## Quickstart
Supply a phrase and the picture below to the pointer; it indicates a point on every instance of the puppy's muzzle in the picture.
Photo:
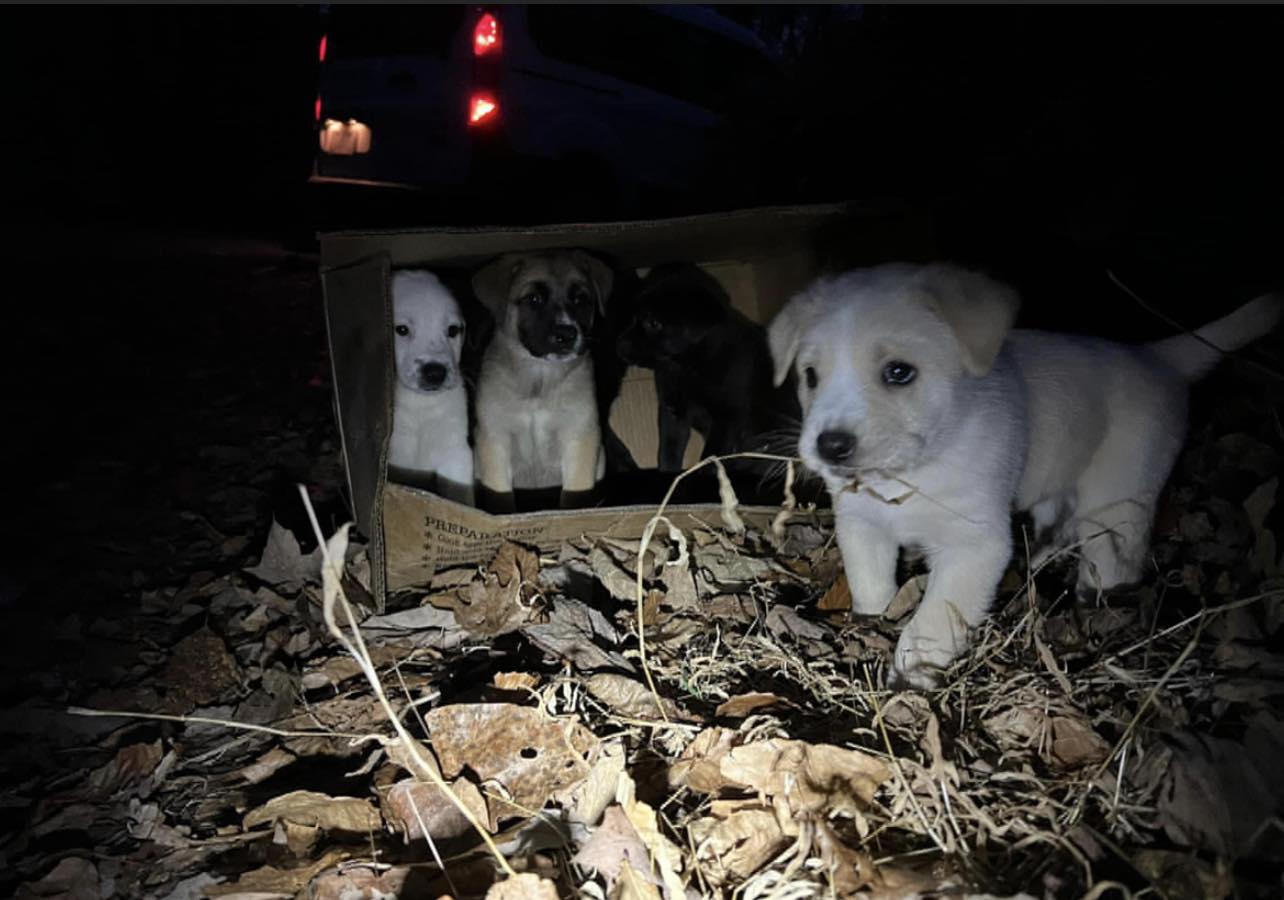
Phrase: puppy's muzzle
(562, 338)
(432, 376)
(836, 447)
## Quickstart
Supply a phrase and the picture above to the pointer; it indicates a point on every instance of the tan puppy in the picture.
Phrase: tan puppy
(537, 420)
(929, 421)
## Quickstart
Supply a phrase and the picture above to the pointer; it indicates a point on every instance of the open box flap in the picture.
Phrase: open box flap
(359, 325)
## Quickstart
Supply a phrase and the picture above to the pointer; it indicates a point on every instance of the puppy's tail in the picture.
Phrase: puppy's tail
(1193, 355)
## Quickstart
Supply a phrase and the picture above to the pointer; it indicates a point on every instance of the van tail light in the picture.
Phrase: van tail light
(321, 49)
(483, 108)
(316, 109)
(487, 39)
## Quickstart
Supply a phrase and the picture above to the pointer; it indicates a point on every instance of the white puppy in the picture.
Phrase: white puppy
(929, 420)
(430, 409)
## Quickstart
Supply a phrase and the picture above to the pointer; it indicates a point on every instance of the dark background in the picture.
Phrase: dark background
(160, 289)
(1066, 138)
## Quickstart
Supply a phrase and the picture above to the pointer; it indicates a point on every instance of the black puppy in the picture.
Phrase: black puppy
(713, 369)
(608, 367)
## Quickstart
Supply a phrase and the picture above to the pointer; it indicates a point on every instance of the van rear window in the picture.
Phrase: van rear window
(357, 31)
(652, 50)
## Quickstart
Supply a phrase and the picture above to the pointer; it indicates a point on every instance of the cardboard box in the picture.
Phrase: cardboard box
(761, 256)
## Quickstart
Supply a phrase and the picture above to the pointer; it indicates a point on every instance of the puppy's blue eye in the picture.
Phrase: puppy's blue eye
(534, 299)
(453, 331)
(810, 376)
(898, 373)
(402, 330)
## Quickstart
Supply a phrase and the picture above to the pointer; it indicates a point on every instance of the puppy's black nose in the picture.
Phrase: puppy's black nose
(431, 375)
(835, 446)
(563, 336)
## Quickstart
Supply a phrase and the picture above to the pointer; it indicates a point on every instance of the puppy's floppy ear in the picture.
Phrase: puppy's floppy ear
(599, 273)
(784, 334)
(979, 309)
(491, 283)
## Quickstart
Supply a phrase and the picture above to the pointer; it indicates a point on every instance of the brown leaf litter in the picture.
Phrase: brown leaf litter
(1127, 740)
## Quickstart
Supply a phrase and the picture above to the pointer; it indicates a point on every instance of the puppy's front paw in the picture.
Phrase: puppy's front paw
(922, 655)
(872, 600)
(922, 678)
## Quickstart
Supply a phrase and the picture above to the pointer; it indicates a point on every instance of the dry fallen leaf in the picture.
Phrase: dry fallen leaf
(266, 766)
(619, 583)
(366, 881)
(729, 502)
(1183, 875)
(128, 767)
(681, 590)
(199, 672)
(814, 639)
(1074, 743)
(743, 704)
(729, 571)
(360, 883)
(530, 755)
(814, 778)
(731, 848)
(415, 759)
(411, 807)
(651, 608)
(300, 840)
(634, 885)
(586, 801)
(1218, 793)
(1066, 740)
(838, 598)
(350, 814)
(72, 879)
(700, 765)
(665, 857)
(572, 632)
(612, 844)
(848, 869)
(524, 886)
(515, 681)
(271, 880)
(811, 778)
(282, 562)
(501, 598)
(633, 699)
(416, 618)
(1259, 504)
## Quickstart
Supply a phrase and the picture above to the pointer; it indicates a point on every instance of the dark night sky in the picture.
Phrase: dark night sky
(1136, 131)
(1045, 143)
(193, 115)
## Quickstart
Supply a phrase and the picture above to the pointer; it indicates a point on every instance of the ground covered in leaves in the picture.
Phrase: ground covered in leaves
(703, 721)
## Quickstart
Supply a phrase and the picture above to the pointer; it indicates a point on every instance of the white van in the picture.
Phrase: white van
(610, 103)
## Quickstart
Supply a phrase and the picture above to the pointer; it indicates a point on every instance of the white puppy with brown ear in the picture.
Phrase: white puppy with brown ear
(429, 446)
(929, 421)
